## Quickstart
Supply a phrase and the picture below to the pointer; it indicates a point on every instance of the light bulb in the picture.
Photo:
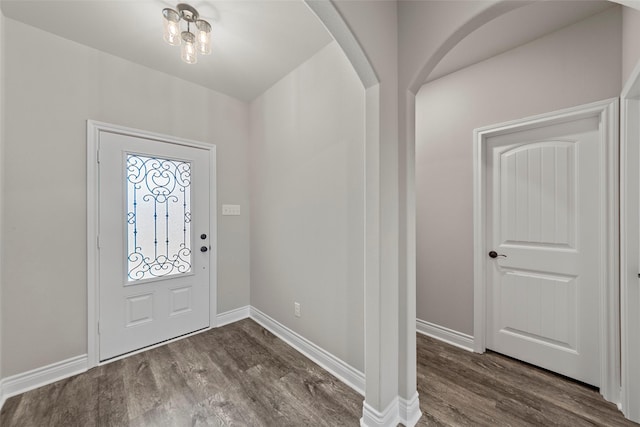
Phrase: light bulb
(189, 54)
(204, 37)
(171, 21)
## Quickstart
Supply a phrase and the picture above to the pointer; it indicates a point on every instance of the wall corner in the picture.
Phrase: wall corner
(2, 97)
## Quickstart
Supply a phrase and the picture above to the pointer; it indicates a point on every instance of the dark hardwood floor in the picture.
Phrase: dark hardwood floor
(242, 375)
(239, 375)
(460, 388)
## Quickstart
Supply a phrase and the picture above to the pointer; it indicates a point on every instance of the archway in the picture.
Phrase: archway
(409, 91)
(379, 356)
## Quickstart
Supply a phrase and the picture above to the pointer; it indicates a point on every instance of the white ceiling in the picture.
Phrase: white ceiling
(514, 29)
(255, 42)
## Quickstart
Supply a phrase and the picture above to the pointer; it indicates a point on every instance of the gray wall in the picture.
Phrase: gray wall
(307, 203)
(576, 65)
(53, 86)
(630, 41)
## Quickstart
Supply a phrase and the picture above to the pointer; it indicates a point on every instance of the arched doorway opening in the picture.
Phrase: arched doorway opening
(465, 29)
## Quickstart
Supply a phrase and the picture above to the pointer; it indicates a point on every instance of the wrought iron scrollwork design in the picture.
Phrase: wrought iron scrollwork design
(158, 217)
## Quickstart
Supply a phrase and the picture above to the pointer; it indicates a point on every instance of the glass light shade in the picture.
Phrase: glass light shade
(171, 21)
(203, 37)
(189, 54)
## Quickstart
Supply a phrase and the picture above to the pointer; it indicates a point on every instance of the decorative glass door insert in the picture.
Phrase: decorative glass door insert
(158, 217)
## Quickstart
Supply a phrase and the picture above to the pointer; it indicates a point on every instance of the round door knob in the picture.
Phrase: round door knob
(203, 236)
(204, 249)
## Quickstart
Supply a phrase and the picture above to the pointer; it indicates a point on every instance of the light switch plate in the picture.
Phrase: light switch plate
(230, 209)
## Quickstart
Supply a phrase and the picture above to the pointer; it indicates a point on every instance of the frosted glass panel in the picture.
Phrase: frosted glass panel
(158, 217)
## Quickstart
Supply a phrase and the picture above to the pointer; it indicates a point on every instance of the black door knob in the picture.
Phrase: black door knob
(203, 249)
(494, 254)
(203, 236)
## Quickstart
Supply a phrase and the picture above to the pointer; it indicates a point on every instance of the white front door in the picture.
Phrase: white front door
(154, 242)
(545, 212)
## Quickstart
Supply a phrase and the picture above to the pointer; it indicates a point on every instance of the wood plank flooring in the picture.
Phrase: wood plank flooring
(460, 388)
(237, 375)
(242, 375)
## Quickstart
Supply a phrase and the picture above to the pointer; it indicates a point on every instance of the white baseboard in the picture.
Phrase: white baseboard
(447, 335)
(344, 372)
(409, 410)
(399, 411)
(20, 383)
(388, 418)
(232, 316)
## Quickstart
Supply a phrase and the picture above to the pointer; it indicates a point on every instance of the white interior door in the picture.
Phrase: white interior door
(545, 209)
(154, 242)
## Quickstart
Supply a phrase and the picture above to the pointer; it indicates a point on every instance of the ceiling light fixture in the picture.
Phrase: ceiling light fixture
(192, 44)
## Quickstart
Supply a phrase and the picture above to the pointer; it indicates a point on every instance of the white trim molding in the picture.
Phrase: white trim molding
(388, 418)
(233, 316)
(409, 410)
(630, 245)
(399, 411)
(337, 367)
(21, 383)
(447, 335)
(608, 282)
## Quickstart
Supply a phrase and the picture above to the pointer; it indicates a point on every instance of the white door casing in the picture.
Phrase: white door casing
(545, 196)
(133, 305)
(630, 245)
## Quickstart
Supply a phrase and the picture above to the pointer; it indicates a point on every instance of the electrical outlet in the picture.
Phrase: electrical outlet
(296, 309)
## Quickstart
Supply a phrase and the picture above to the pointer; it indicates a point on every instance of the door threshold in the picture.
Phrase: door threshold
(151, 347)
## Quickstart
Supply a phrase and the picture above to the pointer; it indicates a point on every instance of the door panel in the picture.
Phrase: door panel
(544, 214)
(153, 209)
(539, 307)
(538, 194)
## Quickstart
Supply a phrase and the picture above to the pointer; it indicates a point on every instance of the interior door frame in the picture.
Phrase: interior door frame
(609, 289)
(93, 254)
(630, 244)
